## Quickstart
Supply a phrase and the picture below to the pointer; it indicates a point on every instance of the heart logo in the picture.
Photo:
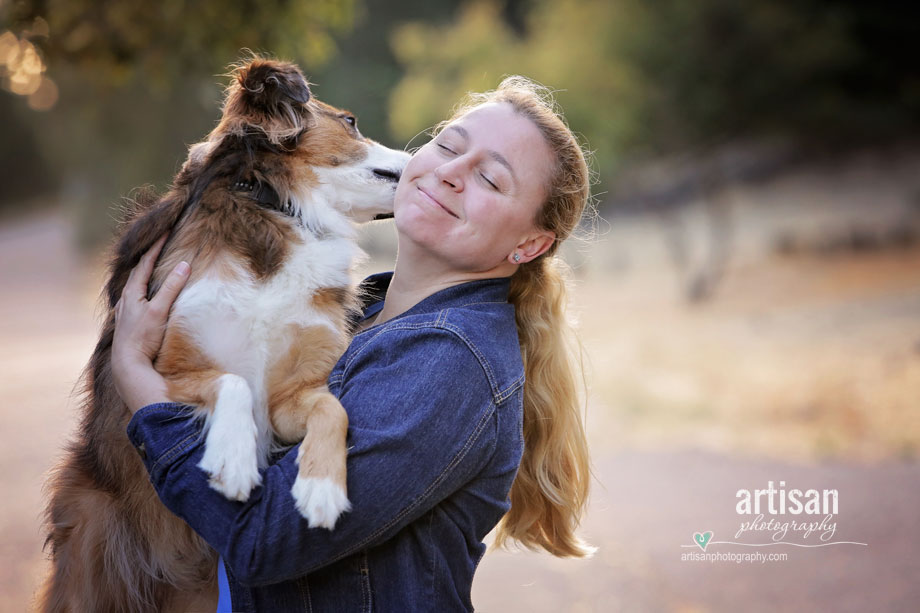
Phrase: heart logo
(702, 539)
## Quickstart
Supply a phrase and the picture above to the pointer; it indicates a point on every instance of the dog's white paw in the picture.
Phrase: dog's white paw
(320, 501)
(234, 472)
(231, 455)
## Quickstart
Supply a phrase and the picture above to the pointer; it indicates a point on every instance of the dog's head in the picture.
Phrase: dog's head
(306, 154)
(277, 148)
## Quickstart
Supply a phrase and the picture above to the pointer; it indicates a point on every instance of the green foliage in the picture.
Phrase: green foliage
(570, 45)
(112, 40)
(642, 78)
(364, 71)
(139, 82)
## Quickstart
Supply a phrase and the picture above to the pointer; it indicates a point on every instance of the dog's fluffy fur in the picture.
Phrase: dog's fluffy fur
(262, 211)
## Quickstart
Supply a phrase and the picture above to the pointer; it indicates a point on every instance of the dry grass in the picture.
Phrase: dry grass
(794, 358)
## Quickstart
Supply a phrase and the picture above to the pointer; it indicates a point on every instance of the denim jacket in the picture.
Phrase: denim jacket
(435, 402)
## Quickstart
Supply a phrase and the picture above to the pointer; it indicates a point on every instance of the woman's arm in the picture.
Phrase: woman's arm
(411, 446)
(408, 451)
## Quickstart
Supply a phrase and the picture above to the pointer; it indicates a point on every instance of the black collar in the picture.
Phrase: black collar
(265, 195)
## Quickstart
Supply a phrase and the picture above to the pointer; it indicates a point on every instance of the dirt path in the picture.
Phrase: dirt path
(47, 333)
(646, 506)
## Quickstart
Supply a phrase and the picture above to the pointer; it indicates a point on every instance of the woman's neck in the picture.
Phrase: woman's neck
(416, 278)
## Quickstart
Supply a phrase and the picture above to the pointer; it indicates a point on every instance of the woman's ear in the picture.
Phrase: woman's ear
(532, 247)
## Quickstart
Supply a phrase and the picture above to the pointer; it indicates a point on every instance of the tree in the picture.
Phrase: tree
(137, 83)
(645, 78)
(111, 40)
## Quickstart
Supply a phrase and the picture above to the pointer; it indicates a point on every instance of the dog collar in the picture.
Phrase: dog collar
(265, 195)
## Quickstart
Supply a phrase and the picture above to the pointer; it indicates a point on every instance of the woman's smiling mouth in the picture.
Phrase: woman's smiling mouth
(431, 199)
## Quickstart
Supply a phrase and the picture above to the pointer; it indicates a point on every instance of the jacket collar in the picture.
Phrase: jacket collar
(374, 288)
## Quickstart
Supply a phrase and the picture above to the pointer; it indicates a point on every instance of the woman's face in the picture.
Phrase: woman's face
(470, 196)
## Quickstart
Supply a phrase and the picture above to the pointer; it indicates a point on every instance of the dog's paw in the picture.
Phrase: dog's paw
(234, 471)
(231, 455)
(320, 501)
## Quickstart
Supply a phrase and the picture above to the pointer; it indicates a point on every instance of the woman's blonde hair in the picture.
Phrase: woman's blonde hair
(550, 491)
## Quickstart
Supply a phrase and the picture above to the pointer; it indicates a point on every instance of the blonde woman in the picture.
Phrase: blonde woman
(459, 386)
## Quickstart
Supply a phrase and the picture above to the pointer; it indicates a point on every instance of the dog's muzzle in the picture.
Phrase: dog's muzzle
(386, 175)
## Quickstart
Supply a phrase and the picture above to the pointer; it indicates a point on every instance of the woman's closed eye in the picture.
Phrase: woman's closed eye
(448, 150)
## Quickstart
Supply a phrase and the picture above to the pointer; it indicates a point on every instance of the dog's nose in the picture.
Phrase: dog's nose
(387, 175)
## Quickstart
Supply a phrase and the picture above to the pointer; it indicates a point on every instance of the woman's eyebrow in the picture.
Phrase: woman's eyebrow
(495, 155)
(461, 131)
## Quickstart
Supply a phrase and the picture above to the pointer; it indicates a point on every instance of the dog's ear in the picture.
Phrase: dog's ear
(269, 84)
(269, 96)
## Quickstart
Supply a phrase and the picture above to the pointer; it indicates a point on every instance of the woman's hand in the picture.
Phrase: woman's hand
(139, 328)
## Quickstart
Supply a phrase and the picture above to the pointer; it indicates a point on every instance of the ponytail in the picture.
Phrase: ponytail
(551, 488)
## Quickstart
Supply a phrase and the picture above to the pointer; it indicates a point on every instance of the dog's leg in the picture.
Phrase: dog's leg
(301, 407)
(231, 455)
(319, 490)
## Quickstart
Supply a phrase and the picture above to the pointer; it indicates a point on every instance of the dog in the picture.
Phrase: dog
(264, 211)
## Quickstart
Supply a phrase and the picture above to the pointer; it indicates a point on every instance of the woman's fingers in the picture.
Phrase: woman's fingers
(171, 287)
(139, 323)
(140, 274)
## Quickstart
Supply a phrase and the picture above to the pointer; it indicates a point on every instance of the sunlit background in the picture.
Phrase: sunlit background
(748, 293)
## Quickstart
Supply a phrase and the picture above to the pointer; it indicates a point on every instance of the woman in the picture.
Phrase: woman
(442, 422)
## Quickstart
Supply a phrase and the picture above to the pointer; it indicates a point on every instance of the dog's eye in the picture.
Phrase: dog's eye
(350, 119)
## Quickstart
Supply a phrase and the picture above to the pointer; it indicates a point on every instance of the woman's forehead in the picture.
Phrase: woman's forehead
(491, 115)
(498, 126)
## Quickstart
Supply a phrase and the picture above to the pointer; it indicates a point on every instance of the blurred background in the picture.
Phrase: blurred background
(748, 292)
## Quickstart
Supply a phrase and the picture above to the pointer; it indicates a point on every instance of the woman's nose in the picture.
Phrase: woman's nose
(450, 173)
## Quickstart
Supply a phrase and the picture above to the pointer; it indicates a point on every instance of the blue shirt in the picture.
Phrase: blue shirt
(435, 403)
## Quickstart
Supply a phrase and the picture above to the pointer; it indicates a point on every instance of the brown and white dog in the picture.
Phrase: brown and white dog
(263, 211)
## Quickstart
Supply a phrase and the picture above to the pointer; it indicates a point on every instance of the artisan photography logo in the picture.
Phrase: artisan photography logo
(772, 521)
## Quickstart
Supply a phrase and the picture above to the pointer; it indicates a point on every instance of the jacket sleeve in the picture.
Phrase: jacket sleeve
(422, 425)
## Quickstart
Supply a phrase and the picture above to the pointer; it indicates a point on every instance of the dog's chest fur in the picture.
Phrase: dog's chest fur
(242, 324)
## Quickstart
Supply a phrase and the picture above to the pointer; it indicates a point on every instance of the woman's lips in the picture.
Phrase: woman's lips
(436, 202)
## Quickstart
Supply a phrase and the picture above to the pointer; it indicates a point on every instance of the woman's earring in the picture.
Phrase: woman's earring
(517, 258)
